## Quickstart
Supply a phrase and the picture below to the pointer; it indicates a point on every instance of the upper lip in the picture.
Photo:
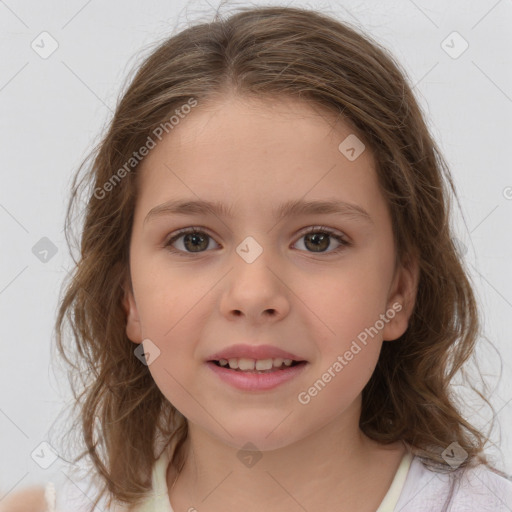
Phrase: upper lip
(253, 352)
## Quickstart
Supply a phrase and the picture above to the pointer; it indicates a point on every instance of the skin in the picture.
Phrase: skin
(30, 499)
(254, 155)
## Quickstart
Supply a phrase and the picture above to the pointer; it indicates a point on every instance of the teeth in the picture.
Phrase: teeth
(264, 364)
(246, 364)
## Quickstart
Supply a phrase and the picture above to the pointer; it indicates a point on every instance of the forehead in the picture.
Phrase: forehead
(264, 151)
(254, 122)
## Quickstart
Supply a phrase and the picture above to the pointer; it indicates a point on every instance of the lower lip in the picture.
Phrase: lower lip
(256, 381)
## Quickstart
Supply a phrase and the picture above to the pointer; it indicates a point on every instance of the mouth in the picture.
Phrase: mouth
(256, 375)
(256, 368)
(246, 365)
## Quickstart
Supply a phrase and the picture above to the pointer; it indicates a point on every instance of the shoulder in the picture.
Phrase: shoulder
(26, 499)
(476, 488)
(484, 489)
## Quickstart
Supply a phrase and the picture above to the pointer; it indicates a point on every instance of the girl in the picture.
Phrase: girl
(268, 308)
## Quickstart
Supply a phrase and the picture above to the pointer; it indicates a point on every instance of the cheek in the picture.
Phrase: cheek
(173, 308)
(166, 296)
(344, 301)
(345, 361)
(173, 326)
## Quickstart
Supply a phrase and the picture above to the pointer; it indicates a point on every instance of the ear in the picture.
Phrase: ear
(133, 325)
(402, 298)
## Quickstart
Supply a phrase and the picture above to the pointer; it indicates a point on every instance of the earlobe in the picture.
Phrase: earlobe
(402, 300)
(133, 325)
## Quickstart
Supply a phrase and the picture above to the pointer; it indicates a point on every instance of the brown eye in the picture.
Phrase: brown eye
(189, 241)
(319, 239)
(195, 241)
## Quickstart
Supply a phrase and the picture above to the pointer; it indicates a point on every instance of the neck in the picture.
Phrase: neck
(322, 470)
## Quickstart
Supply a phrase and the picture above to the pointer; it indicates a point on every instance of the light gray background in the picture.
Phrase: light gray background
(53, 110)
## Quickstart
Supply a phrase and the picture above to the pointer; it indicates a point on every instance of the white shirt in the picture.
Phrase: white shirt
(422, 490)
(414, 489)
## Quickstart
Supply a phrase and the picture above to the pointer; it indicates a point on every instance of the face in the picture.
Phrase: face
(312, 283)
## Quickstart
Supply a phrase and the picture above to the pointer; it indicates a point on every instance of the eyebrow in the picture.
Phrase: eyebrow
(291, 208)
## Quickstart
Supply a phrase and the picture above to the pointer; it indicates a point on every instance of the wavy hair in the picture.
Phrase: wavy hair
(268, 52)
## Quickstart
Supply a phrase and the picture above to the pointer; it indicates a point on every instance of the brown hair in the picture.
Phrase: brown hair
(267, 52)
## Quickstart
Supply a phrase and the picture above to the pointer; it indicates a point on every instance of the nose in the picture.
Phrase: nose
(256, 291)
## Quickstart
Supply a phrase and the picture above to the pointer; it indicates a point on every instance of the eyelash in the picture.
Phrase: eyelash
(314, 229)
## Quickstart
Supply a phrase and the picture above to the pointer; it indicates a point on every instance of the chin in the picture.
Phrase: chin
(265, 436)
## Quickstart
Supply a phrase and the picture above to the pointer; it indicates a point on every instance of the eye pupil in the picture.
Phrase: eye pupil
(194, 238)
(319, 240)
